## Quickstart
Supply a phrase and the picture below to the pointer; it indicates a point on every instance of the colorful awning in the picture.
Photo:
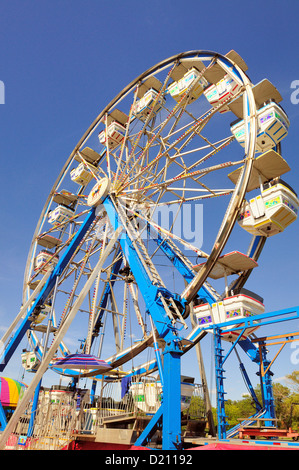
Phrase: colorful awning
(82, 362)
(10, 392)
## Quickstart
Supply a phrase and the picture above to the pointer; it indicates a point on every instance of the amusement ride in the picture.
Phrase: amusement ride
(144, 246)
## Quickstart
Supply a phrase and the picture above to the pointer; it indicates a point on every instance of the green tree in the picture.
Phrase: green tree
(286, 405)
(238, 409)
(294, 379)
(282, 405)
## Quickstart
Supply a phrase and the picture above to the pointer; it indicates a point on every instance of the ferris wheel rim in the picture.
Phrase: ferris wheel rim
(166, 62)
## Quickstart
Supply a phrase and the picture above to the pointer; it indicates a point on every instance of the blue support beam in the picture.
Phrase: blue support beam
(149, 290)
(3, 420)
(171, 436)
(151, 428)
(170, 410)
(46, 290)
(251, 350)
(219, 372)
(265, 380)
(33, 410)
(107, 291)
(183, 269)
(267, 390)
(257, 404)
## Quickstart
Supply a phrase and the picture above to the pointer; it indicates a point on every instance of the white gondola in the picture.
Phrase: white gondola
(38, 319)
(60, 214)
(30, 361)
(233, 307)
(89, 155)
(220, 92)
(60, 395)
(64, 197)
(237, 306)
(115, 134)
(142, 107)
(179, 87)
(44, 261)
(272, 127)
(270, 212)
(82, 175)
(276, 205)
(147, 394)
(229, 264)
(48, 241)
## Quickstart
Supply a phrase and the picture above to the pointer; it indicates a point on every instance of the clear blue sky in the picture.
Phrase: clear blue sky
(61, 61)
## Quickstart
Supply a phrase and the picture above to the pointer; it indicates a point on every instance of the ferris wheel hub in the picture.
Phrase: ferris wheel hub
(99, 192)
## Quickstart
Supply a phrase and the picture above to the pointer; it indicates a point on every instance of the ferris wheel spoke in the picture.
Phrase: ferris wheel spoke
(124, 144)
(85, 290)
(123, 176)
(88, 166)
(151, 142)
(189, 134)
(194, 130)
(78, 270)
(216, 193)
(183, 176)
(212, 153)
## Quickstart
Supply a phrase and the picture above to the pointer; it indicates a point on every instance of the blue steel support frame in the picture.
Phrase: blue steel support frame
(170, 410)
(219, 375)
(46, 290)
(171, 435)
(33, 410)
(257, 404)
(188, 275)
(266, 382)
(250, 349)
(267, 390)
(3, 420)
(169, 413)
(149, 290)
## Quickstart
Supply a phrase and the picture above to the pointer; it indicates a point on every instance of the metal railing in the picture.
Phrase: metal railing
(62, 414)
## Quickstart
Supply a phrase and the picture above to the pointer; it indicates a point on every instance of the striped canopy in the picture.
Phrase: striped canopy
(82, 362)
(10, 392)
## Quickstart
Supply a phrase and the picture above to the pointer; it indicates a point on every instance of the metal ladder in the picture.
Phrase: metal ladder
(140, 248)
(168, 303)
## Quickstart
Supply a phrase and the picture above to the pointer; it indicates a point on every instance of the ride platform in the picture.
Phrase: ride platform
(265, 432)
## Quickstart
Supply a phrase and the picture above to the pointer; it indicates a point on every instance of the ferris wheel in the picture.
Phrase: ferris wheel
(129, 249)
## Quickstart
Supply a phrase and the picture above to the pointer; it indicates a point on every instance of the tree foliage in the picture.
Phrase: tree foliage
(286, 405)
